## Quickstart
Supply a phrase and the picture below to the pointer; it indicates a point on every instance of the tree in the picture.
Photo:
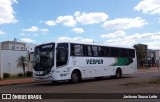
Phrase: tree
(141, 52)
(22, 63)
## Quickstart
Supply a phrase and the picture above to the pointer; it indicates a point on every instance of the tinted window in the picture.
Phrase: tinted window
(95, 50)
(104, 51)
(62, 54)
(76, 50)
(89, 50)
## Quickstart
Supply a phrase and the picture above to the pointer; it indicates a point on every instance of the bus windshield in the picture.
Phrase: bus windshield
(44, 57)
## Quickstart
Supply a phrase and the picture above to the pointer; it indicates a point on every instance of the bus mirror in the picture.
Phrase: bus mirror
(31, 57)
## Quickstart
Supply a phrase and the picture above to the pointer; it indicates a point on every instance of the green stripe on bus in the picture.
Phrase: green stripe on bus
(123, 61)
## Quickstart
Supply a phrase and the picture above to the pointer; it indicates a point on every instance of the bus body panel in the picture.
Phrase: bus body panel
(89, 66)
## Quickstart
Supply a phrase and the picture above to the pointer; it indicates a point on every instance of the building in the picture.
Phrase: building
(157, 57)
(13, 45)
(10, 51)
(0, 46)
(30, 47)
(151, 57)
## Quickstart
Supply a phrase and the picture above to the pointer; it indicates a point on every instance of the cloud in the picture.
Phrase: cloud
(121, 42)
(148, 6)
(90, 18)
(50, 23)
(66, 20)
(32, 29)
(22, 34)
(158, 20)
(153, 45)
(44, 30)
(151, 39)
(2, 33)
(77, 39)
(27, 40)
(148, 36)
(78, 30)
(7, 12)
(114, 35)
(124, 23)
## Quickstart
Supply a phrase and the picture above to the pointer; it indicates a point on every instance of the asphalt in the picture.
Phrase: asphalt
(31, 80)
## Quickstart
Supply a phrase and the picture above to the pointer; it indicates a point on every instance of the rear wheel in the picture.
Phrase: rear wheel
(118, 73)
(75, 77)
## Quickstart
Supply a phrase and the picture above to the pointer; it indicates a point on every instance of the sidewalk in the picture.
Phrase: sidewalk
(148, 69)
(31, 80)
(17, 81)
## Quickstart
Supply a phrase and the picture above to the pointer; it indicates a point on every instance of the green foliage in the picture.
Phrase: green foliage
(28, 73)
(141, 52)
(6, 75)
(20, 75)
(22, 62)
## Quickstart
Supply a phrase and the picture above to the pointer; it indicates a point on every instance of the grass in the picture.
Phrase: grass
(154, 81)
(12, 77)
(157, 82)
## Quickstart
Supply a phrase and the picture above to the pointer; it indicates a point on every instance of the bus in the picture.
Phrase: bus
(57, 61)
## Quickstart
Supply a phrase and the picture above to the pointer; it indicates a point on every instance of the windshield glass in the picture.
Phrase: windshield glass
(44, 57)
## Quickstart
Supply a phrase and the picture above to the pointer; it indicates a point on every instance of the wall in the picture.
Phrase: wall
(8, 61)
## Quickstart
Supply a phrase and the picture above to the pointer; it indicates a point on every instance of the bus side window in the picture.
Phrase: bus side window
(95, 50)
(103, 51)
(76, 50)
(89, 50)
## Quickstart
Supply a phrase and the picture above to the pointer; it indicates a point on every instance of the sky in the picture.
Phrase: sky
(111, 22)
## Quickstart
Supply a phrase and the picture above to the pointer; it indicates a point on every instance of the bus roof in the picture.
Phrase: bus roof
(87, 43)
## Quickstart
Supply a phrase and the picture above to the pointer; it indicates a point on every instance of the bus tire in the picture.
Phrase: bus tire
(55, 82)
(99, 78)
(75, 77)
(118, 73)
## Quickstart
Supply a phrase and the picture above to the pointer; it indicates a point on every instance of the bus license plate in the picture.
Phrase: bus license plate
(39, 72)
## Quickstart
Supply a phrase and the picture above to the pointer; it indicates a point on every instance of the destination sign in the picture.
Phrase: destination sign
(47, 46)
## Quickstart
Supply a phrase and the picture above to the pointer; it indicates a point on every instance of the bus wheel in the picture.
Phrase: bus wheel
(118, 73)
(99, 78)
(55, 82)
(75, 77)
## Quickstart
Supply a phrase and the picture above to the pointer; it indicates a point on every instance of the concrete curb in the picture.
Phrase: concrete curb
(17, 81)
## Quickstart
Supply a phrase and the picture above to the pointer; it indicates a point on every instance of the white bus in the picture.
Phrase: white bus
(74, 61)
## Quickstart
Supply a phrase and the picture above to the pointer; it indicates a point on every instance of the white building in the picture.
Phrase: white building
(10, 51)
(30, 47)
(8, 61)
(13, 45)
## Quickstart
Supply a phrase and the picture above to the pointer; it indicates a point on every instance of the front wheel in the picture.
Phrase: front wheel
(75, 77)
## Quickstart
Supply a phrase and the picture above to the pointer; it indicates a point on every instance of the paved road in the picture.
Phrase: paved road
(106, 85)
